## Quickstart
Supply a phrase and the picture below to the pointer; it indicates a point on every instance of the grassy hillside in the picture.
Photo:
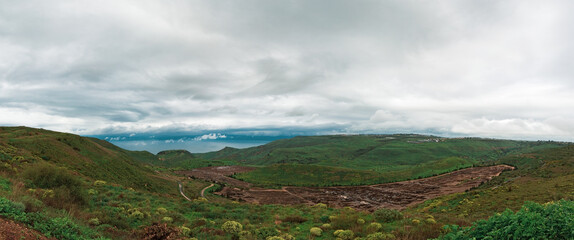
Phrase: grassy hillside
(372, 158)
(90, 157)
(542, 176)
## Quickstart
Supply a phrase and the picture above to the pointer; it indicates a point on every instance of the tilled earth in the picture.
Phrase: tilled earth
(397, 195)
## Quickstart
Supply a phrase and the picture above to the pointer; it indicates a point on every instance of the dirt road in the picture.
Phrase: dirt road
(181, 191)
(203, 190)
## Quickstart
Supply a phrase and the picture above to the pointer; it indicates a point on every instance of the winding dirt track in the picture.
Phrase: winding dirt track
(398, 195)
(205, 188)
(181, 191)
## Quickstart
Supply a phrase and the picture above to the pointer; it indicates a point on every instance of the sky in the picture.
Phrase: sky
(502, 69)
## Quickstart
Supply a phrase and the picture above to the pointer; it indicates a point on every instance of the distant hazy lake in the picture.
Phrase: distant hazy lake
(194, 144)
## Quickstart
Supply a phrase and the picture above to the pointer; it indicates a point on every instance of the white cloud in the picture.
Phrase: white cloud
(211, 136)
(472, 67)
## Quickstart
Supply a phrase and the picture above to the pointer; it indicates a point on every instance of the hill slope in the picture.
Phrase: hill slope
(367, 159)
(90, 157)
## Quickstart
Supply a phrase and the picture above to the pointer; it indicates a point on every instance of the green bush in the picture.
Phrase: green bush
(67, 187)
(380, 236)
(185, 231)
(387, 215)
(374, 227)
(315, 231)
(232, 227)
(532, 221)
(265, 232)
(344, 234)
(11, 209)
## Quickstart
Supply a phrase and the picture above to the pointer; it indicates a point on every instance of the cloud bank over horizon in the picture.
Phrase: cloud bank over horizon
(475, 68)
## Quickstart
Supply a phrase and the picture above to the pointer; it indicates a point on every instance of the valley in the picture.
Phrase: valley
(398, 195)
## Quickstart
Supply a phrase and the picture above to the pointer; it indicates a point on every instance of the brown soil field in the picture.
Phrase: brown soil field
(10, 230)
(219, 174)
(398, 195)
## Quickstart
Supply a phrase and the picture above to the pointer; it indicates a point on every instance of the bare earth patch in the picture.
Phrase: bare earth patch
(219, 174)
(9, 230)
(398, 195)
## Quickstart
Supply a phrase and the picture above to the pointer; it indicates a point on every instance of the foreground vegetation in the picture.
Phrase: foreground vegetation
(70, 187)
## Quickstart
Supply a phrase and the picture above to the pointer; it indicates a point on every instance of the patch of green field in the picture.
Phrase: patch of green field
(320, 176)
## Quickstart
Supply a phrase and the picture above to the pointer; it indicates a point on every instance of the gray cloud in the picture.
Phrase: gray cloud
(485, 68)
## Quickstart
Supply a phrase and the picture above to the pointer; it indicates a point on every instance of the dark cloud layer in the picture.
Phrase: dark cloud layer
(481, 68)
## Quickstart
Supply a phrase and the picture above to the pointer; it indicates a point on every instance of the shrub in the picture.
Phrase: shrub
(185, 231)
(380, 236)
(326, 226)
(265, 232)
(99, 183)
(344, 234)
(360, 221)
(320, 206)
(430, 221)
(137, 214)
(548, 221)
(12, 209)
(161, 210)
(374, 227)
(245, 235)
(287, 237)
(232, 227)
(94, 221)
(315, 231)
(167, 219)
(67, 187)
(32, 204)
(387, 215)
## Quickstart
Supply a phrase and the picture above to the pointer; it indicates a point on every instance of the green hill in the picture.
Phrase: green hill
(373, 158)
(90, 157)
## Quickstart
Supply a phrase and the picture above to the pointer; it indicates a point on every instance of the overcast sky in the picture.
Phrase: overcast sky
(474, 68)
